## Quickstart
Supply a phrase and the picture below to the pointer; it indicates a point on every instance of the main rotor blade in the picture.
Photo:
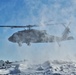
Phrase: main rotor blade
(28, 26)
(57, 24)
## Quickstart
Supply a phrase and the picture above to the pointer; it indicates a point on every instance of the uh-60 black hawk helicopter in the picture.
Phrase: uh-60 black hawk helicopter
(30, 35)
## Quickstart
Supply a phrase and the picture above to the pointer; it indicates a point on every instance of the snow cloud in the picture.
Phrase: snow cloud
(41, 12)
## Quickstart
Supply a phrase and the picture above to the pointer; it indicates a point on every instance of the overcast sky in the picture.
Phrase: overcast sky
(24, 12)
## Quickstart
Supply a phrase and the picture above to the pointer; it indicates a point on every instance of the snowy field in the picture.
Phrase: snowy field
(46, 68)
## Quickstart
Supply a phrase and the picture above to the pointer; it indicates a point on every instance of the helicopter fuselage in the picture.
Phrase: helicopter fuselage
(27, 36)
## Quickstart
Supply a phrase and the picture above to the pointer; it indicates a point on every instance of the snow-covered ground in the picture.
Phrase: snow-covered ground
(46, 68)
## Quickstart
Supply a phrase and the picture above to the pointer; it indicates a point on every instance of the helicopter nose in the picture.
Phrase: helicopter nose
(10, 38)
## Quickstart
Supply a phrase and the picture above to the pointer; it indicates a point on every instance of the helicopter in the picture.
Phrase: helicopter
(30, 35)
